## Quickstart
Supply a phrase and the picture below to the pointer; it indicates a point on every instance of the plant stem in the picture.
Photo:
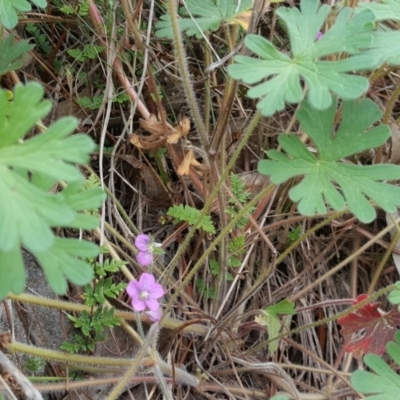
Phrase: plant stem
(183, 68)
(169, 323)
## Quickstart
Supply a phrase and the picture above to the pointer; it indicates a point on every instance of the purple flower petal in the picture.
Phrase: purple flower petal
(154, 316)
(147, 281)
(144, 258)
(133, 289)
(152, 304)
(319, 35)
(139, 305)
(142, 242)
(145, 293)
(156, 291)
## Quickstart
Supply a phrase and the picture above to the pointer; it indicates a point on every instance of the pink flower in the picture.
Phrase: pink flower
(143, 243)
(154, 316)
(147, 248)
(145, 293)
(319, 35)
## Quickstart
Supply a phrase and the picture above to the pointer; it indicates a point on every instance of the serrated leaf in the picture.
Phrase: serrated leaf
(9, 10)
(12, 272)
(60, 263)
(326, 179)
(350, 33)
(26, 213)
(12, 55)
(394, 295)
(204, 16)
(385, 9)
(190, 215)
(28, 209)
(51, 145)
(27, 99)
(384, 384)
(369, 328)
(385, 48)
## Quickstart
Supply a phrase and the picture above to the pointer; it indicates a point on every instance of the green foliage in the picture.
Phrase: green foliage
(89, 51)
(324, 174)
(13, 56)
(350, 33)
(185, 213)
(9, 10)
(82, 9)
(238, 188)
(269, 319)
(394, 295)
(294, 235)
(205, 290)
(203, 16)
(92, 325)
(384, 383)
(95, 102)
(40, 38)
(386, 9)
(34, 364)
(29, 209)
(384, 47)
(216, 270)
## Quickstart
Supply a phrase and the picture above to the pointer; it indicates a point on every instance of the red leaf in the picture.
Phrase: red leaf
(371, 328)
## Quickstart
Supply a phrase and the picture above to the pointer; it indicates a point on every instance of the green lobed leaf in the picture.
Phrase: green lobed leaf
(26, 99)
(353, 135)
(394, 295)
(13, 56)
(12, 272)
(384, 383)
(51, 145)
(202, 16)
(278, 76)
(26, 213)
(385, 9)
(385, 47)
(326, 179)
(60, 262)
(9, 10)
(32, 198)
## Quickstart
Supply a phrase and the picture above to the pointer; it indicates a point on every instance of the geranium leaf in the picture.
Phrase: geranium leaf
(384, 384)
(350, 33)
(60, 262)
(12, 272)
(326, 178)
(385, 9)
(203, 16)
(28, 98)
(51, 145)
(12, 55)
(374, 327)
(41, 188)
(394, 295)
(9, 10)
(384, 47)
